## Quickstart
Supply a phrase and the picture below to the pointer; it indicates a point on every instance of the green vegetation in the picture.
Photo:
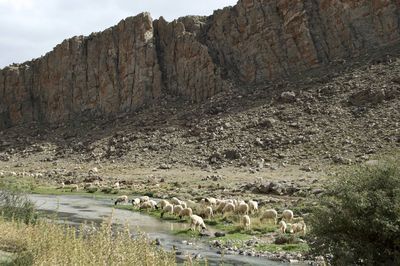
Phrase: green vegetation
(46, 243)
(358, 221)
(16, 206)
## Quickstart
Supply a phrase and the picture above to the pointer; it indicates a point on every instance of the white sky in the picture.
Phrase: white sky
(30, 28)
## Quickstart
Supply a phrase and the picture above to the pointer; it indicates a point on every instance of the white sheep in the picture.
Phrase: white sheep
(230, 207)
(175, 201)
(208, 212)
(270, 214)
(144, 199)
(169, 208)
(253, 205)
(282, 226)
(74, 188)
(123, 198)
(136, 202)
(287, 215)
(146, 205)
(243, 208)
(177, 209)
(162, 203)
(220, 206)
(197, 221)
(246, 221)
(299, 227)
(183, 204)
(185, 212)
(116, 185)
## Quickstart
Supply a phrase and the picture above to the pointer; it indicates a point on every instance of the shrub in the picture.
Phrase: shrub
(358, 221)
(17, 206)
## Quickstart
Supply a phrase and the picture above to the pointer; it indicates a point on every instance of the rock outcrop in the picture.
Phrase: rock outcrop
(130, 65)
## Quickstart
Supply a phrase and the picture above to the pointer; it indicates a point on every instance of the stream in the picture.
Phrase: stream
(78, 209)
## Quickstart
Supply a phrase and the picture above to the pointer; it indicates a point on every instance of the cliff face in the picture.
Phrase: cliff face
(129, 65)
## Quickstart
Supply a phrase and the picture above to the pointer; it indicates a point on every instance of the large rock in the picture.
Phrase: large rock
(129, 65)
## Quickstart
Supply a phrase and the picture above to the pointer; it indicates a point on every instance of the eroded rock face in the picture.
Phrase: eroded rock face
(259, 40)
(128, 66)
(104, 74)
(187, 67)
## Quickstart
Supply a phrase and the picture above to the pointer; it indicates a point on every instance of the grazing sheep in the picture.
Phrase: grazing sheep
(287, 215)
(154, 204)
(230, 207)
(183, 204)
(185, 212)
(169, 208)
(146, 205)
(299, 227)
(175, 201)
(191, 204)
(208, 212)
(162, 203)
(144, 199)
(282, 226)
(197, 221)
(220, 206)
(243, 208)
(246, 221)
(123, 198)
(208, 202)
(270, 214)
(177, 209)
(74, 188)
(253, 205)
(136, 202)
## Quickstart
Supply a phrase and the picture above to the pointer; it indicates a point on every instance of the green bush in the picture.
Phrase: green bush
(358, 221)
(17, 206)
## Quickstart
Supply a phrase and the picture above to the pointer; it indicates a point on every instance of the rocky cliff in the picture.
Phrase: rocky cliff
(130, 65)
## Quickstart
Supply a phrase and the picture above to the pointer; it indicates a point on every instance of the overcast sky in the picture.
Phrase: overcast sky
(30, 28)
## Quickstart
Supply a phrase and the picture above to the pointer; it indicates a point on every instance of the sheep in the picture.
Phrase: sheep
(162, 203)
(230, 207)
(136, 202)
(175, 201)
(282, 226)
(270, 214)
(183, 204)
(144, 199)
(220, 206)
(177, 209)
(191, 204)
(152, 202)
(246, 221)
(197, 221)
(208, 212)
(116, 185)
(74, 188)
(146, 205)
(123, 198)
(169, 208)
(185, 212)
(253, 205)
(299, 227)
(287, 215)
(208, 202)
(243, 208)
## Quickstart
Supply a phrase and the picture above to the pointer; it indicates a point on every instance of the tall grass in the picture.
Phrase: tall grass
(17, 206)
(47, 243)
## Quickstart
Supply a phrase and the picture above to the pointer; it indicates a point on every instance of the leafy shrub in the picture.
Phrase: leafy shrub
(358, 221)
(17, 206)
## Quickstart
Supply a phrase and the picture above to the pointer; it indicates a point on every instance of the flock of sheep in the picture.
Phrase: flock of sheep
(208, 206)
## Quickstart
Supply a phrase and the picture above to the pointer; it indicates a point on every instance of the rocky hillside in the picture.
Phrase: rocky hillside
(133, 64)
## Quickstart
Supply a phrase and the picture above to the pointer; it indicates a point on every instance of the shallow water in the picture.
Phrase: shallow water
(78, 209)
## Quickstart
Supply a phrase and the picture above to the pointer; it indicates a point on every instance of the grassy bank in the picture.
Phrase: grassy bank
(46, 243)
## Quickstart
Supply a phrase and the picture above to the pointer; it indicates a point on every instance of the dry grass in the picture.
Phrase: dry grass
(52, 244)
